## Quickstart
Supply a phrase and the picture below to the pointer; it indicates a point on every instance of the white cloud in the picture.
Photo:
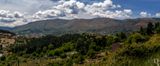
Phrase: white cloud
(157, 15)
(11, 19)
(118, 14)
(145, 14)
(47, 14)
(76, 8)
(8, 14)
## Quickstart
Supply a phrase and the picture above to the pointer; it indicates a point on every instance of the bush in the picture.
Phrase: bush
(79, 60)
(63, 55)
(121, 36)
(91, 53)
(142, 50)
(56, 52)
(111, 39)
(94, 47)
(69, 63)
(136, 38)
(3, 58)
(67, 47)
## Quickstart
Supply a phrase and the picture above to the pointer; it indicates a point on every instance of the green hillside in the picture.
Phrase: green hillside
(139, 48)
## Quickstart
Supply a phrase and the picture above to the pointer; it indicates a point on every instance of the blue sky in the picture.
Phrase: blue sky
(150, 6)
(19, 12)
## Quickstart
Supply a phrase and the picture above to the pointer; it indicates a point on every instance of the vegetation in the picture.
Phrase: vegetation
(5, 31)
(134, 49)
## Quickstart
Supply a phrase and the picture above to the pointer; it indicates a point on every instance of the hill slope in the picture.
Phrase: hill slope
(97, 25)
(6, 32)
(139, 48)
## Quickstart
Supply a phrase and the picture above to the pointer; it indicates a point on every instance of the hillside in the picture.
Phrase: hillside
(6, 39)
(139, 48)
(97, 25)
(6, 32)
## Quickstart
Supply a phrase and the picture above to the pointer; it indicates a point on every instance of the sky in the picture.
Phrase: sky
(19, 12)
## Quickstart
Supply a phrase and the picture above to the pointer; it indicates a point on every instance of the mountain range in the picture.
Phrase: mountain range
(96, 25)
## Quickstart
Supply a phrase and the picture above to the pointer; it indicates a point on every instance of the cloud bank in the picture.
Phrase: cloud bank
(74, 9)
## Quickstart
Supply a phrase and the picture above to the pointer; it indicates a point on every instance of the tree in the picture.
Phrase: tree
(150, 28)
(142, 31)
(50, 46)
(101, 41)
(157, 27)
(110, 40)
(121, 36)
(56, 52)
(135, 38)
(82, 46)
(157, 30)
(94, 47)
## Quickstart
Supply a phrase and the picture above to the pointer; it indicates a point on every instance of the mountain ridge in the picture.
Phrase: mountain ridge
(96, 25)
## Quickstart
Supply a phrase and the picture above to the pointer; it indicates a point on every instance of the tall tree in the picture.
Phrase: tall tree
(142, 31)
(150, 28)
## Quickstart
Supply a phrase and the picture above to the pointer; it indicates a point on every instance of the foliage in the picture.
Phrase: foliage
(136, 38)
(132, 49)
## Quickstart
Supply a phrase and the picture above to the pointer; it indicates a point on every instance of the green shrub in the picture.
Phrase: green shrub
(91, 53)
(136, 38)
(79, 60)
(56, 52)
(3, 58)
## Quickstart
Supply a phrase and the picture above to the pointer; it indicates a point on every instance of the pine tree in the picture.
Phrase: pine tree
(150, 28)
(142, 31)
(157, 27)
